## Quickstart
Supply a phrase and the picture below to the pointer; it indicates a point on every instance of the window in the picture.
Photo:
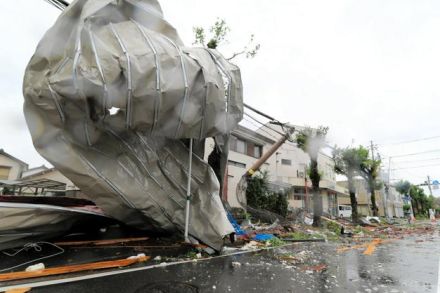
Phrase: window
(4, 172)
(237, 164)
(298, 197)
(241, 146)
(298, 189)
(286, 162)
(237, 145)
(257, 151)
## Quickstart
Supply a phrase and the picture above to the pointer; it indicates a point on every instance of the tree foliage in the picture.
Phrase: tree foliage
(420, 202)
(403, 187)
(216, 35)
(369, 170)
(348, 162)
(259, 195)
(311, 141)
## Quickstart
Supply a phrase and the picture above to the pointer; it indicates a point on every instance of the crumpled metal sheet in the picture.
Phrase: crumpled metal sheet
(104, 55)
(28, 222)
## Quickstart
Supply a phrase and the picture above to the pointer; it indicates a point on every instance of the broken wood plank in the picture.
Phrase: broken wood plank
(73, 268)
(19, 290)
(101, 242)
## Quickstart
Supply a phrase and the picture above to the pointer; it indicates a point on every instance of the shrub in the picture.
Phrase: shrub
(259, 196)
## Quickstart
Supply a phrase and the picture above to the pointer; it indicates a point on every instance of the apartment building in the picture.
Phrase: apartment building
(287, 168)
(391, 200)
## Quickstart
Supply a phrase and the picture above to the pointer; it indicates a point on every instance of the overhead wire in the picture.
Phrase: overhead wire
(60, 4)
(416, 161)
(263, 124)
(416, 167)
(410, 141)
(268, 133)
(413, 154)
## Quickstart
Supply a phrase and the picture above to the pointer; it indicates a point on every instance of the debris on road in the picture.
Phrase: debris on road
(316, 268)
(73, 268)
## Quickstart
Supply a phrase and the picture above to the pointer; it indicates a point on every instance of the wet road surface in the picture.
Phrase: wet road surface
(405, 265)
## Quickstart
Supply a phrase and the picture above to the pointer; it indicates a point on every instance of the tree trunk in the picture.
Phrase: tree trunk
(317, 198)
(218, 160)
(373, 197)
(317, 207)
(373, 203)
(353, 200)
(415, 208)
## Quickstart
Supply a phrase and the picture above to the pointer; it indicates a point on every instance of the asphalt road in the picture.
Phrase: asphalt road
(405, 265)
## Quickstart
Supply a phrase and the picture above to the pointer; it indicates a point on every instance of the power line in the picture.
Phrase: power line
(415, 167)
(263, 124)
(414, 154)
(410, 141)
(416, 161)
(259, 112)
(268, 133)
(260, 128)
(60, 4)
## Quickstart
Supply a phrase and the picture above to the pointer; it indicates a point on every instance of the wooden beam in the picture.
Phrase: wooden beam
(101, 242)
(73, 268)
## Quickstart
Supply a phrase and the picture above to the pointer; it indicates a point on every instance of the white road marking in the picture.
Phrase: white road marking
(127, 270)
(438, 279)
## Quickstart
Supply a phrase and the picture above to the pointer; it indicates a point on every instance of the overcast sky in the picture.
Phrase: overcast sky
(370, 70)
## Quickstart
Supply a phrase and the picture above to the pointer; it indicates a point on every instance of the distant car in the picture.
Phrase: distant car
(344, 211)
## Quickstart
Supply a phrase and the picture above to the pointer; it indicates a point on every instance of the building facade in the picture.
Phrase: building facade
(17, 178)
(11, 168)
(389, 199)
(287, 168)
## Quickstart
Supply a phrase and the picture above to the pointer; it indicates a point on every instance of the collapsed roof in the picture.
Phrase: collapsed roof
(111, 94)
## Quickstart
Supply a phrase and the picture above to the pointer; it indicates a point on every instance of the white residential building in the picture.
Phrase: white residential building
(287, 168)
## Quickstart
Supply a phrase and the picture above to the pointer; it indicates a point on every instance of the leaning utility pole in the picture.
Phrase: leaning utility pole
(242, 184)
(429, 185)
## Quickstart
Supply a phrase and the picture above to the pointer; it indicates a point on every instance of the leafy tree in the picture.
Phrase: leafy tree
(420, 201)
(369, 170)
(257, 190)
(259, 196)
(348, 162)
(311, 142)
(403, 187)
(218, 36)
(212, 38)
(406, 207)
(281, 204)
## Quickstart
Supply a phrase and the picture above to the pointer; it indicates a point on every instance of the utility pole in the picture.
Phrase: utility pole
(369, 199)
(429, 185)
(306, 195)
(387, 190)
(372, 149)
